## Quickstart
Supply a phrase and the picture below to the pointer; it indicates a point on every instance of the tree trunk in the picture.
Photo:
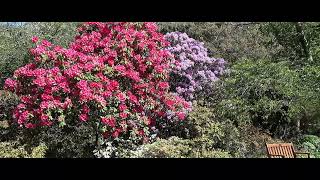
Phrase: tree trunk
(298, 125)
(303, 41)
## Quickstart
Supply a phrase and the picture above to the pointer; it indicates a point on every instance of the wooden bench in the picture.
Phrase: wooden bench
(283, 150)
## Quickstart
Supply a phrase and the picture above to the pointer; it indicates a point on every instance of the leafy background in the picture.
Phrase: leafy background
(270, 93)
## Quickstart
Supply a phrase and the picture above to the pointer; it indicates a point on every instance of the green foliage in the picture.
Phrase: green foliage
(311, 144)
(176, 147)
(8, 101)
(76, 141)
(289, 43)
(206, 138)
(212, 154)
(213, 134)
(14, 150)
(61, 33)
(15, 40)
(231, 41)
(70, 141)
(258, 101)
(285, 34)
(172, 148)
(263, 93)
(210, 137)
(39, 151)
(309, 101)
(270, 95)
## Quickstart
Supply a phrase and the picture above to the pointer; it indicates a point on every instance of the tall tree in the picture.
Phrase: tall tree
(303, 40)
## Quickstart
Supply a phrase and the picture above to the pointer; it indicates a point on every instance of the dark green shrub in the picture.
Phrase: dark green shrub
(311, 144)
(76, 141)
(8, 101)
(238, 139)
(205, 138)
(310, 100)
(262, 93)
(68, 142)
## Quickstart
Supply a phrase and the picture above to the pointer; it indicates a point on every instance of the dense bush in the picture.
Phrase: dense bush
(171, 148)
(113, 78)
(71, 141)
(204, 137)
(8, 101)
(311, 144)
(268, 95)
(195, 70)
(14, 150)
(210, 134)
(176, 148)
(309, 103)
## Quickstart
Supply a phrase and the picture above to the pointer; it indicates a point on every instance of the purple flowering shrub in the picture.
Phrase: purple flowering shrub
(194, 70)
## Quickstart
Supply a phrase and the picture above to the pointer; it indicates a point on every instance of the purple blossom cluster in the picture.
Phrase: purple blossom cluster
(194, 70)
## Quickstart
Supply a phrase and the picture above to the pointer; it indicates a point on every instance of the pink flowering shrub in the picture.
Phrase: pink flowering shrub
(113, 74)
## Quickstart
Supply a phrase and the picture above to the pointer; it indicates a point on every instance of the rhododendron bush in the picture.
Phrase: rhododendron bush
(195, 70)
(113, 74)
